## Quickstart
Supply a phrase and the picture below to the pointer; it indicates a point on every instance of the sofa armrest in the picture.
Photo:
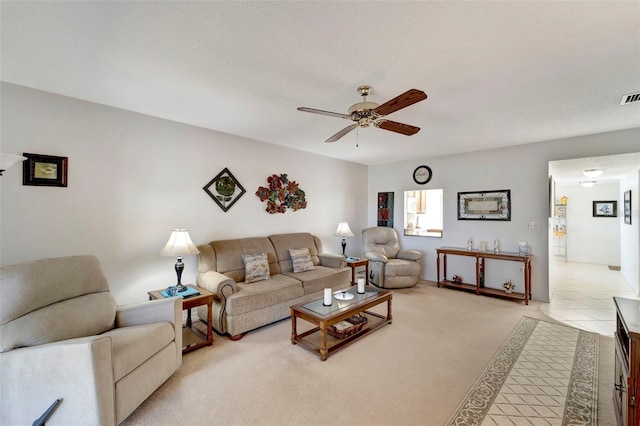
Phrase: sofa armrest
(332, 260)
(376, 256)
(78, 371)
(409, 255)
(219, 284)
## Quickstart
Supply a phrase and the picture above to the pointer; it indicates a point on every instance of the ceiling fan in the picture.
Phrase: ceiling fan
(366, 113)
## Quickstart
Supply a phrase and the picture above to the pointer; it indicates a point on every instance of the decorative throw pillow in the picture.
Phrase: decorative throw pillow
(301, 260)
(256, 267)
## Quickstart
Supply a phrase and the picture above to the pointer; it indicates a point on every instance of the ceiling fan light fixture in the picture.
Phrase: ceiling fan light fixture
(588, 183)
(592, 173)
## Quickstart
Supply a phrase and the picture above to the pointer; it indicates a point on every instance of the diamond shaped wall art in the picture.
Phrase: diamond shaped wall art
(224, 189)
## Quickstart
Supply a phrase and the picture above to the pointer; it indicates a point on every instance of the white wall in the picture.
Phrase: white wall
(591, 239)
(522, 169)
(630, 234)
(133, 178)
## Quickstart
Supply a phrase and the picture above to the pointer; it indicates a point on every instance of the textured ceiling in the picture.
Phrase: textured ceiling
(497, 73)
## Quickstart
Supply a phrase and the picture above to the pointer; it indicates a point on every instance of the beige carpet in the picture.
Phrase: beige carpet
(415, 371)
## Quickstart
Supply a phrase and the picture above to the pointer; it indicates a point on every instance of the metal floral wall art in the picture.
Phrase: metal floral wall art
(282, 194)
(227, 189)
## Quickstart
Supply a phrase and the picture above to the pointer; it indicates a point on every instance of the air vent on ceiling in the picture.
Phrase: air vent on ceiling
(630, 98)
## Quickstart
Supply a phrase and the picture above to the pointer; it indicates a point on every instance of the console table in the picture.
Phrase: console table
(480, 256)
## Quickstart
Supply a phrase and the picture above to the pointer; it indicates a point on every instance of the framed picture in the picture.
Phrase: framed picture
(385, 209)
(224, 189)
(605, 209)
(44, 170)
(485, 205)
(627, 207)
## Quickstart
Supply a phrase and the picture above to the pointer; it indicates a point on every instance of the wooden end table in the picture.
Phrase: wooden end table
(354, 263)
(193, 337)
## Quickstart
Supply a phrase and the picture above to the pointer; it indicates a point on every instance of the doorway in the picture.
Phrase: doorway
(591, 260)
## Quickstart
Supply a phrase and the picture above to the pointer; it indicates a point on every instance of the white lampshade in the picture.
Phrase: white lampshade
(8, 160)
(179, 244)
(343, 230)
(592, 173)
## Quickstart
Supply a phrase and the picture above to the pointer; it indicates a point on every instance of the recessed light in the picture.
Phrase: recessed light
(588, 183)
(592, 173)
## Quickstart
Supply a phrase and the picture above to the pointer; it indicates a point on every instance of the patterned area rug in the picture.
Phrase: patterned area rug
(544, 374)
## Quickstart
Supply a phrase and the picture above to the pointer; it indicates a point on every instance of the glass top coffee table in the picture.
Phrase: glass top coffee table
(332, 332)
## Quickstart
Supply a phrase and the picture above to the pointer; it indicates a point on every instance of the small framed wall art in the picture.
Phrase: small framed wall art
(485, 205)
(605, 209)
(44, 170)
(627, 207)
(224, 189)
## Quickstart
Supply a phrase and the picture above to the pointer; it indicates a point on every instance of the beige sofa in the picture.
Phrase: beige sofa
(63, 337)
(239, 306)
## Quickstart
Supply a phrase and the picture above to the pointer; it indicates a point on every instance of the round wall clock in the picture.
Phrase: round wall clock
(422, 174)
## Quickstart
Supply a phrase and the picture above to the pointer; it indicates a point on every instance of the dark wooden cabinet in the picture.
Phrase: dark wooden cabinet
(627, 361)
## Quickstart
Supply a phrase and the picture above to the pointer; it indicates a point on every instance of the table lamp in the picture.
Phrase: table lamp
(343, 231)
(179, 245)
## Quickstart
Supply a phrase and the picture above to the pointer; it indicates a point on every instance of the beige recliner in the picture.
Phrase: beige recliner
(389, 266)
(62, 337)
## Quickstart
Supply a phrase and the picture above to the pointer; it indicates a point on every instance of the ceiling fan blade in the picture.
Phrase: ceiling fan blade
(394, 126)
(341, 133)
(409, 97)
(329, 113)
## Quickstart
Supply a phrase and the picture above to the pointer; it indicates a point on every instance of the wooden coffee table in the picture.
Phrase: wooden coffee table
(192, 336)
(318, 340)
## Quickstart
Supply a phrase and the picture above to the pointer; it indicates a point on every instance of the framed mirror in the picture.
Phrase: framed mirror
(423, 213)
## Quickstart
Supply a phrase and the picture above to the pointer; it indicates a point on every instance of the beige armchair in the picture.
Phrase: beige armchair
(62, 336)
(389, 266)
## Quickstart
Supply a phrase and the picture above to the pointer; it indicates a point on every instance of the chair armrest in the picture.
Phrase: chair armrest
(409, 255)
(154, 311)
(78, 371)
(332, 260)
(219, 284)
(150, 312)
(376, 256)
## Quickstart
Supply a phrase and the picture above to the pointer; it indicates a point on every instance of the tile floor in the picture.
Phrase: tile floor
(583, 296)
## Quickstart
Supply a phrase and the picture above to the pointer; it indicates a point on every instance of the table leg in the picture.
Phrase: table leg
(189, 317)
(210, 323)
(438, 269)
(353, 275)
(324, 353)
(366, 271)
(389, 314)
(294, 328)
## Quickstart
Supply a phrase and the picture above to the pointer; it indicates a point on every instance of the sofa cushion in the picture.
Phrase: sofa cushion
(131, 346)
(283, 242)
(228, 255)
(321, 277)
(301, 260)
(262, 294)
(256, 267)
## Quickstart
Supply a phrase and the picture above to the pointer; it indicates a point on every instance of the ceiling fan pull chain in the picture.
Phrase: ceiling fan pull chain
(357, 136)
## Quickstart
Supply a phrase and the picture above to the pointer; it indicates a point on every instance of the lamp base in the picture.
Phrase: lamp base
(181, 287)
